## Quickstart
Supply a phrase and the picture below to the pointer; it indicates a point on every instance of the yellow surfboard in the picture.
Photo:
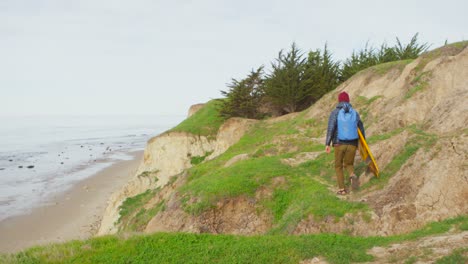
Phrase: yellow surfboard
(366, 155)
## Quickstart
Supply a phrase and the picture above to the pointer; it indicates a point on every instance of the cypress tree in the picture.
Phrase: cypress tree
(284, 86)
(243, 96)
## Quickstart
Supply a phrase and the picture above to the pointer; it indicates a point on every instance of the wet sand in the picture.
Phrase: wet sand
(73, 214)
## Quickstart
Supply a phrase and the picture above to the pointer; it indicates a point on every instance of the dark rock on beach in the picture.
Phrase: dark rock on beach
(10, 160)
(20, 167)
(2, 168)
(30, 166)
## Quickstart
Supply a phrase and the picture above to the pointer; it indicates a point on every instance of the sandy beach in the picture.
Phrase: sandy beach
(73, 214)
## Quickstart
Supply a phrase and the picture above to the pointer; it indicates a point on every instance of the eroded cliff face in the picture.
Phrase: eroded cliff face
(170, 154)
(433, 184)
(230, 216)
(165, 155)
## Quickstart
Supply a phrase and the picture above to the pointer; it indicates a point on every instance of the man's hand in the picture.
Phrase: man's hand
(327, 149)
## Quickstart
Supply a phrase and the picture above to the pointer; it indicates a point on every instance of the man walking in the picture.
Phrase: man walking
(343, 136)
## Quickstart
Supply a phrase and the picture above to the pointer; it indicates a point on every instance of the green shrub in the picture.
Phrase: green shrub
(199, 159)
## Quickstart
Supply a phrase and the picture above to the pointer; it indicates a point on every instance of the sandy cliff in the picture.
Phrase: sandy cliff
(167, 155)
(429, 93)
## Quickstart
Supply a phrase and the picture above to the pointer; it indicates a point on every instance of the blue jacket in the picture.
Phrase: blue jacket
(332, 131)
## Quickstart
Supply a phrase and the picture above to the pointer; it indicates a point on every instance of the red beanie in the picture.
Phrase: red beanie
(343, 97)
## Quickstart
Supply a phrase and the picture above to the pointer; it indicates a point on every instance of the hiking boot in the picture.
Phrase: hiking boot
(354, 182)
(342, 192)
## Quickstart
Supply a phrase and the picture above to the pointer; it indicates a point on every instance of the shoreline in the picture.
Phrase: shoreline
(75, 213)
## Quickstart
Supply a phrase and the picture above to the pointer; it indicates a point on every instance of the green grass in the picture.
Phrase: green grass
(464, 226)
(383, 68)
(457, 256)
(362, 104)
(208, 248)
(200, 248)
(205, 122)
(288, 136)
(376, 138)
(450, 49)
(133, 217)
(242, 178)
(267, 144)
(141, 219)
(259, 141)
(300, 197)
(460, 45)
(415, 89)
(420, 82)
(411, 260)
(420, 77)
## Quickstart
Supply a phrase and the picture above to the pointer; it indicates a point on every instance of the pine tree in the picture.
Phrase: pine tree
(321, 73)
(369, 56)
(410, 51)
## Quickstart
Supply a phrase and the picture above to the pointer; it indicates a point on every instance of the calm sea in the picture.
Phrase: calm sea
(43, 155)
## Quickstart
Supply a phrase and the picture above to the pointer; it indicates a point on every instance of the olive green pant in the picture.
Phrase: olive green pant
(344, 156)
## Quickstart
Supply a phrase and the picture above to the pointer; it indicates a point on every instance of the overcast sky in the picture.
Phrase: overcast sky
(96, 57)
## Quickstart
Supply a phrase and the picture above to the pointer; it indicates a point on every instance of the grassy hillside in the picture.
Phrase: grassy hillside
(268, 145)
(206, 248)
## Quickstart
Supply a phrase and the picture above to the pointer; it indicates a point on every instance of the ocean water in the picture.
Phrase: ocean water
(43, 155)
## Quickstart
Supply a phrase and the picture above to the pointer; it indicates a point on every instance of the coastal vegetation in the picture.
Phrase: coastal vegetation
(194, 160)
(133, 215)
(205, 123)
(370, 56)
(268, 145)
(209, 248)
(296, 80)
(243, 97)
